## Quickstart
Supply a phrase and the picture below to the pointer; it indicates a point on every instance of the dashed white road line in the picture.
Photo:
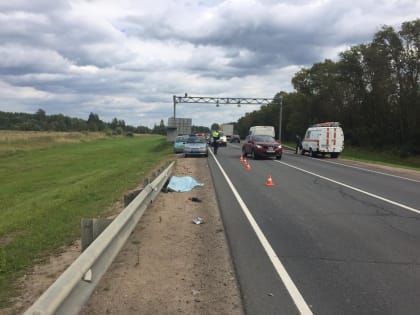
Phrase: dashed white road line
(297, 298)
(294, 293)
(353, 188)
(372, 171)
(367, 170)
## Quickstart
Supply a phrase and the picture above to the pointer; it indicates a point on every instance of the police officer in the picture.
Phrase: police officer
(298, 144)
(216, 137)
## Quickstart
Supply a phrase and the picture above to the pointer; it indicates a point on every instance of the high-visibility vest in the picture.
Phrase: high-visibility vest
(215, 134)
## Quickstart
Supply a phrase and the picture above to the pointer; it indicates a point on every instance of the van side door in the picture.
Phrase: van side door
(305, 144)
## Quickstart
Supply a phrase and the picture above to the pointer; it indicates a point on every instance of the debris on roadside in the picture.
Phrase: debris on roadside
(198, 220)
(195, 199)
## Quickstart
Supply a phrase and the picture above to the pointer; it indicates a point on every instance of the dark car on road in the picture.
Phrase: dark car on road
(261, 147)
(235, 139)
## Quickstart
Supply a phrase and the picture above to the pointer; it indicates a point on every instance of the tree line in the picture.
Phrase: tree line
(373, 90)
(40, 121)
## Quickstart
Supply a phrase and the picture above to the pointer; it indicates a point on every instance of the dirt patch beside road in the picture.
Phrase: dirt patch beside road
(169, 265)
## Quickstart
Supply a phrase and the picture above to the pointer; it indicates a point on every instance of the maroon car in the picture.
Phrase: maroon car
(261, 147)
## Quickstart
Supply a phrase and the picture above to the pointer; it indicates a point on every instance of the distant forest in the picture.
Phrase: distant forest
(40, 121)
(373, 90)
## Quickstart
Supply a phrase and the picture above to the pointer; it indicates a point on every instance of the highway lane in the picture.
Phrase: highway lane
(402, 190)
(346, 252)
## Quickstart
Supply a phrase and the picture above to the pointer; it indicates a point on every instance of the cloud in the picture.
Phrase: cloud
(126, 59)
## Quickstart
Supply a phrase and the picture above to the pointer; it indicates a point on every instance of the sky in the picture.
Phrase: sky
(126, 59)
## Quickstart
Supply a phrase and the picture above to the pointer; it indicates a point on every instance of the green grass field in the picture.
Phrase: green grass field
(47, 186)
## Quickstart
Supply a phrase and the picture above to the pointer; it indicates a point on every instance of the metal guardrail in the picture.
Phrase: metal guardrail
(72, 289)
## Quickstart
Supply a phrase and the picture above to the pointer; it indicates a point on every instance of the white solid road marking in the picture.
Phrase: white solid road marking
(278, 266)
(354, 188)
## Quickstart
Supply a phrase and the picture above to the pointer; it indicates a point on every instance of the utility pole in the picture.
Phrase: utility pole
(281, 117)
(174, 106)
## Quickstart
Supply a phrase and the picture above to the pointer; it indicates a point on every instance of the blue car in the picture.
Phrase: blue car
(179, 144)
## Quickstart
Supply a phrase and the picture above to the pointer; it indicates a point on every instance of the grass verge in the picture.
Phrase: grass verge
(46, 189)
(381, 157)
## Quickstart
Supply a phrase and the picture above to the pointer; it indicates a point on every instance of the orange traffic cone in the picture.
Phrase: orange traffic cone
(241, 159)
(269, 181)
(247, 166)
(244, 161)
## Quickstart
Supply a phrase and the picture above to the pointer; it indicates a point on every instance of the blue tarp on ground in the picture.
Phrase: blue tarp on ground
(182, 184)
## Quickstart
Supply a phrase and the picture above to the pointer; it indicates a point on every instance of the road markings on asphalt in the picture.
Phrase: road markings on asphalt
(297, 298)
(372, 171)
(366, 170)
(354, 188)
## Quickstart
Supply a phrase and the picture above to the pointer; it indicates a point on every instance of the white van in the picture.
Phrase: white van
(324, 138)
(261, 131)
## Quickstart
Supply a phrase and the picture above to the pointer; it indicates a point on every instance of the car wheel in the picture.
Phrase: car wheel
(302, 152)
(312, 153)
(253, 155)
(278, 157)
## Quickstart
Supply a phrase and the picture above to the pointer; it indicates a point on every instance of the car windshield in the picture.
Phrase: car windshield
(264, 139)
(196, 140)
(180, 139)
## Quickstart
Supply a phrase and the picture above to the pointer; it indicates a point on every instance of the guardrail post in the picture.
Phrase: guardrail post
(91, 229)
(130, 196)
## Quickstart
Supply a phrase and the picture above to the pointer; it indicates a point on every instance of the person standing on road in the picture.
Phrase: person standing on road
(298, 144)
(216, 137)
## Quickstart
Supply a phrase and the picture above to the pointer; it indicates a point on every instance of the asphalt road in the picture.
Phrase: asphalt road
(326, 239)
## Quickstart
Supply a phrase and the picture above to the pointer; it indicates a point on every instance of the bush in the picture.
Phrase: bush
(119, 131)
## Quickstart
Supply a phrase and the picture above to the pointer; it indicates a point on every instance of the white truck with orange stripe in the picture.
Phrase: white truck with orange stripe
(324, 138)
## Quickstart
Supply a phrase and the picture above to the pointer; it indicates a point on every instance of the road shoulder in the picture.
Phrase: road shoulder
(171, 265)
